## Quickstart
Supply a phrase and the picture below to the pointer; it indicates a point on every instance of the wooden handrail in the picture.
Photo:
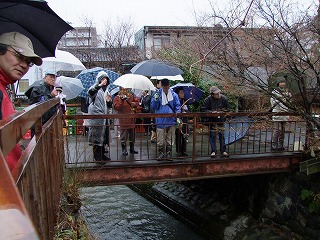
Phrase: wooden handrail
(30, 191)
(14, 218)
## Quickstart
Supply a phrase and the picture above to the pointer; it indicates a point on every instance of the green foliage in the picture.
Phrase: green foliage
(71, 225)
(312, 199)
(306, 194)
(72, 228)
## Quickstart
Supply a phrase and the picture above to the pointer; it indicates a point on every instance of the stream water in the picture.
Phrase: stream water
(118, 213)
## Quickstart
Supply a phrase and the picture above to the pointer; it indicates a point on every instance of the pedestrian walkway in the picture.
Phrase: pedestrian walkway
(256, 144)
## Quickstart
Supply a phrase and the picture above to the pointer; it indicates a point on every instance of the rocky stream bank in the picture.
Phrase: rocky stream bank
(249, 208)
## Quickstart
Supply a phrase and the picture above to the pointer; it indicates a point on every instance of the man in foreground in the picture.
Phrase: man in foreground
(16, 56)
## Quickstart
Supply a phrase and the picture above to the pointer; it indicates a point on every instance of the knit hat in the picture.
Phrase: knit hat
(101, 75)
(21, 44)
(214, 89)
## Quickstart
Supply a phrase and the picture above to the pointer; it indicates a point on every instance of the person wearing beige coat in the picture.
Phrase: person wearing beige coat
(280, 95)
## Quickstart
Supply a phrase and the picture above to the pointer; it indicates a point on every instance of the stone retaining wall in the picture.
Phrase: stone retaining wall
(251, 207)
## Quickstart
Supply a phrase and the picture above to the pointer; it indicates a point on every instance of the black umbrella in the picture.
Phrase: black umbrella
(29, 90)
(155, 68)
(36, 20)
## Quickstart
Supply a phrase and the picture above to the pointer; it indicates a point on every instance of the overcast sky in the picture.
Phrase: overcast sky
(141, 12)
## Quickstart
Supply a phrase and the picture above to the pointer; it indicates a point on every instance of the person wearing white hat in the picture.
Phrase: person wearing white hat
(45, 91)
(16, 56)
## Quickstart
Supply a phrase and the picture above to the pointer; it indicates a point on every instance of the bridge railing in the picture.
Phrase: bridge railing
(33, 189)
(246, 134)
(31, 193)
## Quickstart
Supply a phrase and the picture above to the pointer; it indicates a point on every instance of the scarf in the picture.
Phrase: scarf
(166, 98)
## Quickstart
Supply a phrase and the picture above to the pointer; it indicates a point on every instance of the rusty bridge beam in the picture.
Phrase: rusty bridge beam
(175, 171)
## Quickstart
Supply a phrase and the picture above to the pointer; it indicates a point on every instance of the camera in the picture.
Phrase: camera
(125, 97)
(156, 96)
(186, 136)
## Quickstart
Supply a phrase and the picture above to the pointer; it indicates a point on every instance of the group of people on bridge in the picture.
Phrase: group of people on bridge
(164, 131)
(17, 55)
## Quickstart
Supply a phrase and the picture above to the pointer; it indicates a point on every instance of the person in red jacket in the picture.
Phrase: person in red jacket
(16, 56)
(126, 103)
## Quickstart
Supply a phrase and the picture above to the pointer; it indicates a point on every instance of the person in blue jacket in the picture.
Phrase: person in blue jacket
(165, 101)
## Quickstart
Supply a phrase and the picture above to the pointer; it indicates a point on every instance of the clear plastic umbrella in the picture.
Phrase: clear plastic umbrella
(63, 61)
(71, 87)
(134, 81)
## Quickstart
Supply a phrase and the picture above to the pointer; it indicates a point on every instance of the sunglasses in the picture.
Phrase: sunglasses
(22, 58)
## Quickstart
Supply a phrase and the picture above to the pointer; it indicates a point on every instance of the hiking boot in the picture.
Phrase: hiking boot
(124, 149)
(161, 156)
(103, 161)
(132, 150)
(168, 154)
(98, 154)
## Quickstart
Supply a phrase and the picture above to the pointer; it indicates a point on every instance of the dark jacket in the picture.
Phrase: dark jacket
(41, 93)
(211, 104)
(145, 103)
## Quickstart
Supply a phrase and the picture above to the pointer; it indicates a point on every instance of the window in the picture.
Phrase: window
(161, 40)
(23, 85)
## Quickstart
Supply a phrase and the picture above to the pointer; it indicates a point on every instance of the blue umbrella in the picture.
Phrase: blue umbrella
(191, 92)
(88, 78)
(236, 129)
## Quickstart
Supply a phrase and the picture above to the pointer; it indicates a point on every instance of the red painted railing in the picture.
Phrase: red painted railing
(31, 193)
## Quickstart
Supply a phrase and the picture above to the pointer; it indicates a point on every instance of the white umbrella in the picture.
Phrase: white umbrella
(71, 87)
(134, 81)
(64, 61)
(173, 78)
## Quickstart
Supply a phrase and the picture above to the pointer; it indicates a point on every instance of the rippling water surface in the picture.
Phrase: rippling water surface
(118, 213)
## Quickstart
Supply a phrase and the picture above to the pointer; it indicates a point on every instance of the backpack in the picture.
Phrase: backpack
(85, 102)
